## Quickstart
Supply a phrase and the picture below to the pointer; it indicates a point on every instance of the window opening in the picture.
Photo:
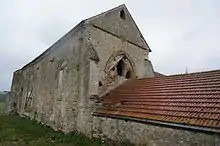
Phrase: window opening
(120, 68)
(128, 75)
(100, 83)
(122, 14)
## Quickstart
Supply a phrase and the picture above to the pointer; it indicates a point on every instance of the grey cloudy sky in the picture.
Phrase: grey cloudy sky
(180, 33)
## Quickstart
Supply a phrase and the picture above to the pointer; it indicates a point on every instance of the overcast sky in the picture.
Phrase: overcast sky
(181, 34)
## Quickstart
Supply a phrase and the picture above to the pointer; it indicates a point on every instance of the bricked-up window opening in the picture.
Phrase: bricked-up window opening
(120, 68)
(128, 75)
(60, 84)
(62, 70)
(29, 96)
(61, 79)
(122, 14)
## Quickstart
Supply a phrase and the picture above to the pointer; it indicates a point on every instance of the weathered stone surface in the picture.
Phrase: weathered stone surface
(62, 87)
(51, 84)
(150, 135)
(111, 21)
(108, 51)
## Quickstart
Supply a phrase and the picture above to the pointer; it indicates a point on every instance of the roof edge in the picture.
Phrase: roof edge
(47, 51)
(138, 29)
(186, 74)
(107, 11)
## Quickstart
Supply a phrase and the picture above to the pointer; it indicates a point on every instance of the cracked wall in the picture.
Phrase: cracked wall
(111, 50)
(48, 89)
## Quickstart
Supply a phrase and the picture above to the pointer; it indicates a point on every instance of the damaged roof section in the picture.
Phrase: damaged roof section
(188, 99)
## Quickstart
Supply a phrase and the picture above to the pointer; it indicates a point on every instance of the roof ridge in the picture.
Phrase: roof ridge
(199, 72)
(52, 47)
(185, 74)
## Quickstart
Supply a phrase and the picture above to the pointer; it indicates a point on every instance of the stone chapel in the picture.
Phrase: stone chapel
(98, 80)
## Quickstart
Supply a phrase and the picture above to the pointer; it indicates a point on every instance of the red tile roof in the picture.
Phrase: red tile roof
(191, 99)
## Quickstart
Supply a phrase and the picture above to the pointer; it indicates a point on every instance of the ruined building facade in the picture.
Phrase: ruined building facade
(61, 86)
(66, 84)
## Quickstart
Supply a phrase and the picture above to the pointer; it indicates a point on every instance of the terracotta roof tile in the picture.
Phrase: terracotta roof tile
(192, 99)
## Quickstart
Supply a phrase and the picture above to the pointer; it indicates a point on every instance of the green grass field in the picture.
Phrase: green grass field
(17, 131)
(1, 106)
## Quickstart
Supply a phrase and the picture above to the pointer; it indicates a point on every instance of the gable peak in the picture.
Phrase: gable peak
(122, 7)
(119, 22)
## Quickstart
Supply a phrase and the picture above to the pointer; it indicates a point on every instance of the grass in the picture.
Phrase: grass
(1, 106)
(17, 131)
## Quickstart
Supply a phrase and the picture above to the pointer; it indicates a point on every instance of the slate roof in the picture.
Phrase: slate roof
(189, 99)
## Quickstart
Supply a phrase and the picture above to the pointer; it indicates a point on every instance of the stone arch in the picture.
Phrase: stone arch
(118, 68)
(117, 55)
(62, 63)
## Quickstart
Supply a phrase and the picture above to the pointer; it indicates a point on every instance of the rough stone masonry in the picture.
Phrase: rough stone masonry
(63, 86)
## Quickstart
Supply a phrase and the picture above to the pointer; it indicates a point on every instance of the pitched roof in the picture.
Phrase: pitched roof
(188, 99)
(77, 27)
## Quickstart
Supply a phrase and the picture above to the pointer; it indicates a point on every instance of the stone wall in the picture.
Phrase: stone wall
(60, 88)
(16, 90)
(107, 47)
(125, 28)
(97, 47)
(150, 135)
(48, 88)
